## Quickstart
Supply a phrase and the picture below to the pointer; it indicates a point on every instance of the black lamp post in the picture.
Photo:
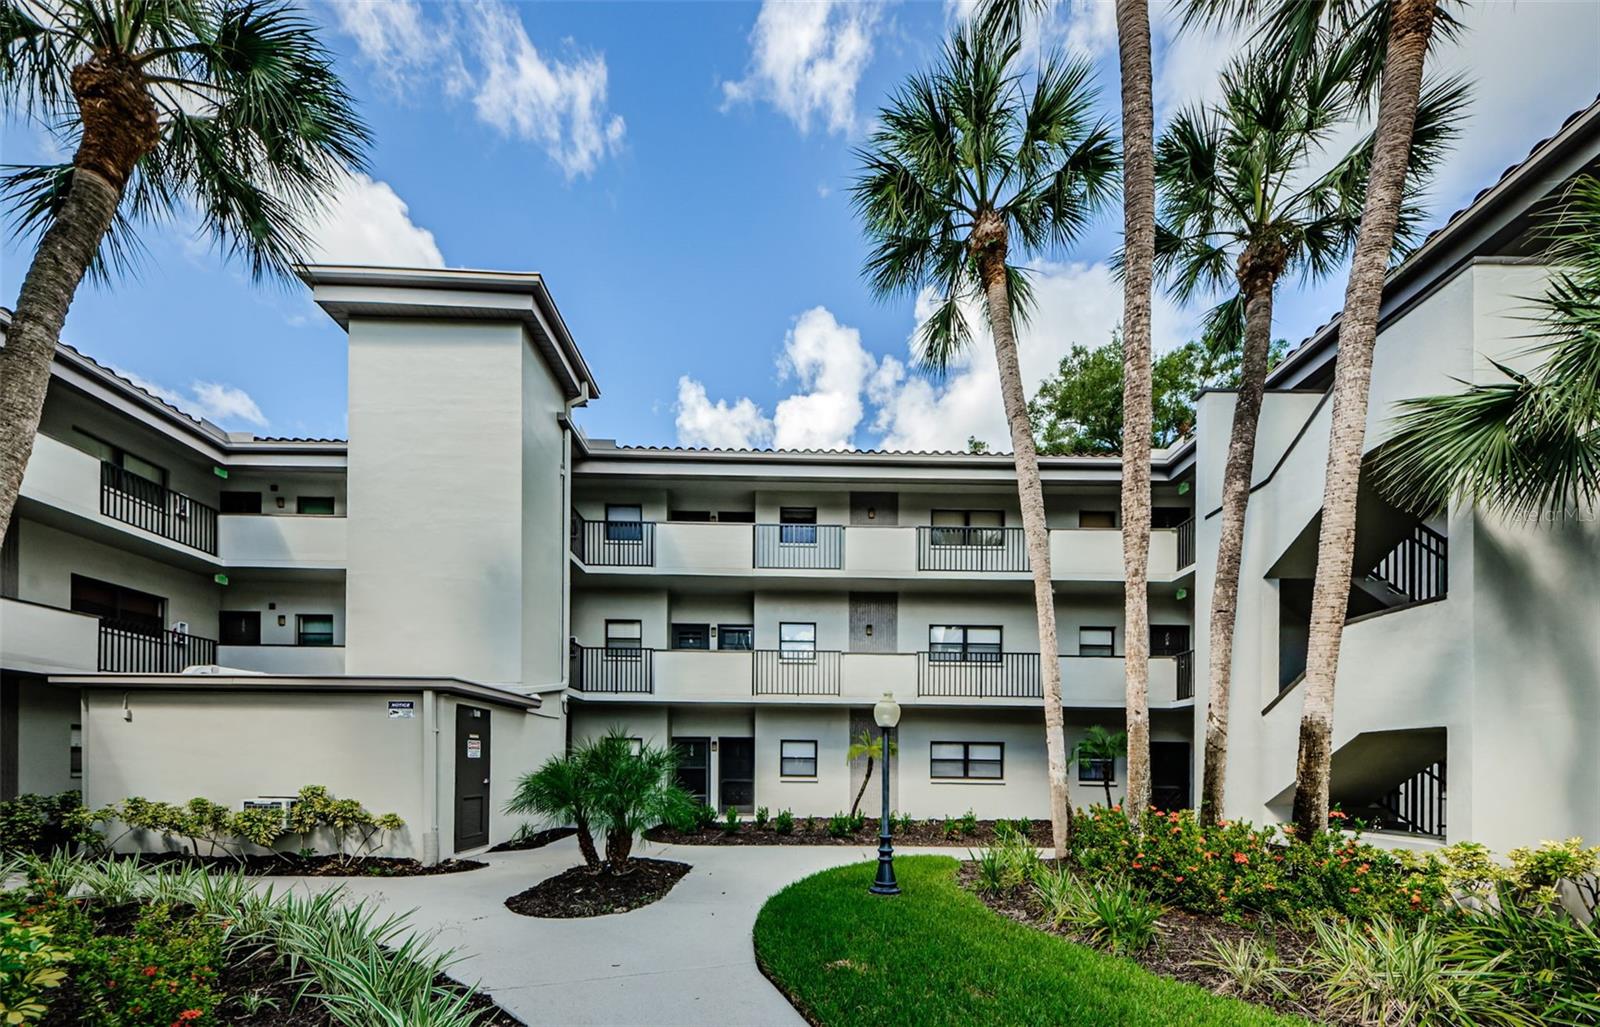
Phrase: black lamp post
(887, 714)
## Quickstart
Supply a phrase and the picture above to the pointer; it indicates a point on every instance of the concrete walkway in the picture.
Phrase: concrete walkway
(686, 959)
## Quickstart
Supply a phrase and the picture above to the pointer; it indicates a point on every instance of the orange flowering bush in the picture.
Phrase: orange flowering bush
(1237, 867)
(165, 972)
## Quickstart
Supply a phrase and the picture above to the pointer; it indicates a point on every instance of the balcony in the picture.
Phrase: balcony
(127, 648)
(273, 542)
(971, 549)
(613, 543)
(149, 505)
(791, 672)
(1183, 664)
(44, 639)
(979, 675)
(800, 546)
(600, 669)
(1185, 556)
(311, 660)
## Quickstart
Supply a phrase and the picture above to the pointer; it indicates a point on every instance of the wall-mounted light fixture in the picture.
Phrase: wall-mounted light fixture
(282, 620)
(280, 502)
(869, 630)
(872, 513)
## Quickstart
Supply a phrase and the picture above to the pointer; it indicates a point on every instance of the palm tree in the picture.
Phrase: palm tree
(632, 790)
(561, 792)
(1240, 209)
(227, 108)
(1385, 44)
(869, 745)
(968, 160)
(1102, 745)
(1528, 446)
(1138, 257)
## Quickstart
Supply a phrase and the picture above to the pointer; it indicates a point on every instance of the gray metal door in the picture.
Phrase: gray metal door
(874, 622)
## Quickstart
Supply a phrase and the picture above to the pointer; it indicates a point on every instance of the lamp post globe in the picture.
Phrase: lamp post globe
(887, 714)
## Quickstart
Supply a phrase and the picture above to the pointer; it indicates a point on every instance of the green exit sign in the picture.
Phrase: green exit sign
(221, 579)
(1183, 593)
(221, 472)
(1183, 488)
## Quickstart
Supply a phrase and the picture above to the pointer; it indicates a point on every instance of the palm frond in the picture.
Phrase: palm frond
(33, 195)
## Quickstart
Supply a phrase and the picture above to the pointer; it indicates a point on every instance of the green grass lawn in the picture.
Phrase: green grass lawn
(935, 954)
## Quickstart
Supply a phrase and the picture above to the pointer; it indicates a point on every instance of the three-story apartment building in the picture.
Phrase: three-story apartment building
(418, 615)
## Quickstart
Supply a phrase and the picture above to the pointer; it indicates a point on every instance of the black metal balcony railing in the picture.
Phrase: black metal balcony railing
(138, 650)
(971, 549)
(614, 543)
(1186, 544)
(795, 672)
(800, 546)
(126, 497)
(1417, 568)
(1185, 662)
(979, 675)
(1417, 805)
(599, 669)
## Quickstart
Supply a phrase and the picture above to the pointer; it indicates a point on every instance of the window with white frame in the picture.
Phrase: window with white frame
(1097, 771)
(797, 758)
(624, 522)
(977, 761)
(624, 638)
(1097, 641)
(963, 643)
(797, 641)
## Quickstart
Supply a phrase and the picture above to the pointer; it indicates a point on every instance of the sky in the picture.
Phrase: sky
(679, 174)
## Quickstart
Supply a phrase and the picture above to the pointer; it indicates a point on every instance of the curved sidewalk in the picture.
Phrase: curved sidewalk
(684, 960)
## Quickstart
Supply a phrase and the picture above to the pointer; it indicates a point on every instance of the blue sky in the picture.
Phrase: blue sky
(678, 174)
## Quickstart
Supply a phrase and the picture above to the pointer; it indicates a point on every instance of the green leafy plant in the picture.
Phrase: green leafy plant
(1011, 862)
(158, 974)
(902, 822)
(633, 791)
(1060, 892)
(968, 823)
(1250, 965)
(1116, 916)
(41, 824)
(1099, 745)
(1544, 959)
(357, 832)
(763, 817)
(31, 966)
(867, 745)
(559, 794)
(730, 821)
(784, 824)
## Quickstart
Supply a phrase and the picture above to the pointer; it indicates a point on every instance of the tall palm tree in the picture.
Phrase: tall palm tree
(1102, 745)
(1528, 446)
(968, 160)
(1386, 44)
(1138, 257)
(1243, 205)
(228, 108)
(867, 745)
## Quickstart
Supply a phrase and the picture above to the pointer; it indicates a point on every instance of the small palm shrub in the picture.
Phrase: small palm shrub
(558, 794)
(763, 817)
(631, 791)
(784, 824)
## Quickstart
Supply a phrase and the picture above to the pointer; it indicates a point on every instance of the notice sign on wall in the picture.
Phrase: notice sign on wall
(474, 747)
(402, 709)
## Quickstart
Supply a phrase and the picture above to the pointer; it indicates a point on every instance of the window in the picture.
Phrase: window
(797, 641)
(983, 761)
(75, 750)
(241, 502)
(314, 629)
(798, 526)
(968, 527)
(239, 627)
(1169, 639)
(636, 747)
(960, 643)
(624, 523)
(695, 516)
(736, 516)
(1169, 516)
(119, 457)
(1097, 771)
(1097, 518)
(321, 505)
(739, 637)
(1097, 641)
(691, 636)
(127, 607)
(797, 759)
(623, 639)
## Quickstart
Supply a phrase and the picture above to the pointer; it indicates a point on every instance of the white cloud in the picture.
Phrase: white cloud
(366, 222)
(806, 60)
(719, 425)
(829, 363)
(214, 401)
(482, 51)
(1075, 303)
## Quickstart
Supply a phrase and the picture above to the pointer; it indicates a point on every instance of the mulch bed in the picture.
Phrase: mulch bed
(579, 893)
(923, 832)
(258, 976)
(1183, 938)
(537, 840)
(290, 865)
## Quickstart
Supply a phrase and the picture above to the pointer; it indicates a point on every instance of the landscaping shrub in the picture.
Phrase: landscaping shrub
(1235, 867)
(846, 825)
(1116, 916)
(633, 791)
(1011, 862)
(164, 972)
(730, 821)
(784, 824)
(41, 824)
(31, 965)
(1544, 958)
(1250, 965)
(763, 816)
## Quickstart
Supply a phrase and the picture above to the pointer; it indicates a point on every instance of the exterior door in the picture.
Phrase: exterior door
(736, 777)
(1169, 775)
(472, 777)
(694, 767)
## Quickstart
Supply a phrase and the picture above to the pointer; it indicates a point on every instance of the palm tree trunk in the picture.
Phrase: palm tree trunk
(990, 244)
(1139, 233)
(619, 843)
(119, 127)
(1236, 476)
(591, 856)
(1106, 783)
(854, 806)
(1410, 28)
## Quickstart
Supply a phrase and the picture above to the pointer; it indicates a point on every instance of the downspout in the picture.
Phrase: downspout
(430, 777)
